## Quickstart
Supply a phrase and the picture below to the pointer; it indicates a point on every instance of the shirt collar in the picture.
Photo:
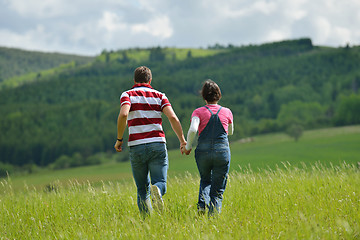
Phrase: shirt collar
(142, 85)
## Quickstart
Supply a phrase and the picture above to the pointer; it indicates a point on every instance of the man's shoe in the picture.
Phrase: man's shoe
(156, 198)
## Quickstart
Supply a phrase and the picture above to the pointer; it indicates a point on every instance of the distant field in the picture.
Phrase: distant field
(170, 53)
(35, 76)
(326, 146)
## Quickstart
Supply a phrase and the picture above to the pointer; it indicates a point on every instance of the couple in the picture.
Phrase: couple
(141, 109)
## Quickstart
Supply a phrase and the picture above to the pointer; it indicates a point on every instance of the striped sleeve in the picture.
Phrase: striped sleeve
(125, 99)
(164, 102)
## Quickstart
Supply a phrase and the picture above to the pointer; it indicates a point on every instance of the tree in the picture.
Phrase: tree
(295, 131)
(189, 54)
(125, 58)
(156, 54)
(348, 110)
(309, 114)
(62, 162)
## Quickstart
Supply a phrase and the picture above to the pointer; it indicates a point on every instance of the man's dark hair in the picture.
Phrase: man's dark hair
(211, 91)
(142, 75)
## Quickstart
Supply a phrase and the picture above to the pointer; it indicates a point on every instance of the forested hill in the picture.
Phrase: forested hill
(269, 88)
(16, 62)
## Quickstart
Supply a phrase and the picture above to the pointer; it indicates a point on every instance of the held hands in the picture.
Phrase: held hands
(187, 152)
(183, 149)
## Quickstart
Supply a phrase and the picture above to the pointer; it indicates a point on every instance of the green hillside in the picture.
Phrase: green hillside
(71, 115)
(24, 67)
(16, 62)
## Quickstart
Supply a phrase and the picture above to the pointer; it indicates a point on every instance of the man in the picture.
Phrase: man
(141, 109)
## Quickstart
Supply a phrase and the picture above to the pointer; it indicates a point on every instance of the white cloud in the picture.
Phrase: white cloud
(37, 38)
(276, 35)
(38, 8)
(322, 28)
(111, 22)
(157, 27)
(60, 8)
(90, 26)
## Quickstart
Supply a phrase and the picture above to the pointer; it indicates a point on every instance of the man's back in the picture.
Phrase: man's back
(144, 120)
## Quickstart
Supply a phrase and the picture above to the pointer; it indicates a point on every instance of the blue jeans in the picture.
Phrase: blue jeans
(148, 161)
(213, 162)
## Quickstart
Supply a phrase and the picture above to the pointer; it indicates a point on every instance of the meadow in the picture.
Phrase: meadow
(277, 189)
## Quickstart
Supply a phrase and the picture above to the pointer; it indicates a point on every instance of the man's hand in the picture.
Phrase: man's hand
(118, 145)
(183, 149)
(187, 152)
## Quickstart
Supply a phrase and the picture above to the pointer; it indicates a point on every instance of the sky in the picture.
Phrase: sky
(86, 27)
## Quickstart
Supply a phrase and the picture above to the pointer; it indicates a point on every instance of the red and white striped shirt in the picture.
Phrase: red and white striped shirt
(144, 119)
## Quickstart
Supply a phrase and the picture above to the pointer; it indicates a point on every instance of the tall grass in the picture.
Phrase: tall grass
(312, 202)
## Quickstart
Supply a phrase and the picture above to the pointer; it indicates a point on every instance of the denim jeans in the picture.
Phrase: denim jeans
(149, 161)
(213, 162)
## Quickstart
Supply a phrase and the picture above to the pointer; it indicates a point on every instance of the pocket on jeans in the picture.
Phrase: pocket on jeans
(134, 156)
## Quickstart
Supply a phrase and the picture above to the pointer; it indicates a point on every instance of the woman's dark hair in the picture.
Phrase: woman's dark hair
(211, 91)
(142, 74)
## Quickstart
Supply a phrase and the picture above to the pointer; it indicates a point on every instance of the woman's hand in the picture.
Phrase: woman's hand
(183, 150)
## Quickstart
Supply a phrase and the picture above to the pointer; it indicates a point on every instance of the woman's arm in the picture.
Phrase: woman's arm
(231, 129)
(194, 126)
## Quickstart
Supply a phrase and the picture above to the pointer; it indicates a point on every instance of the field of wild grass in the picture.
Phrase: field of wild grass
(311, 202)
(278, 189)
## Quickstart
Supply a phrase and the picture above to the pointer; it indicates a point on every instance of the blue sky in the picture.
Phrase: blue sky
(87, 27)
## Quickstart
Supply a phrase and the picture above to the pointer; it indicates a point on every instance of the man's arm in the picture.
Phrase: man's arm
(175, 124)
(121, 124)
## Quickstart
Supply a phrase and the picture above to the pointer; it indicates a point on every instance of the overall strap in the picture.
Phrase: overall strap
(211, 111)
(218, 111)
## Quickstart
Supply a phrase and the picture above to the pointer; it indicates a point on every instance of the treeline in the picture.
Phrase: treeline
(16, 62)
(269, 88)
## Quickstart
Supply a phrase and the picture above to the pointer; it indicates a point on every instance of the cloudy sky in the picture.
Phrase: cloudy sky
(89, 26)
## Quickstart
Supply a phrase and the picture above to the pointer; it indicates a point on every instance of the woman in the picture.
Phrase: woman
(214, 123)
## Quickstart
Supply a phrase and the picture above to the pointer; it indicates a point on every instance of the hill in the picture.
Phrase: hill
(17, 62)
(72, 114)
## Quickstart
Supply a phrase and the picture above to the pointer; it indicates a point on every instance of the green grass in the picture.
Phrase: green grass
(327, 146)
(42, 75)
(315, 203)
(331, 146)
(277, 189)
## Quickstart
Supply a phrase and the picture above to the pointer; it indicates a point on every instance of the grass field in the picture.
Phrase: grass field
(278, 189)
(290, 203)
(326, 146)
